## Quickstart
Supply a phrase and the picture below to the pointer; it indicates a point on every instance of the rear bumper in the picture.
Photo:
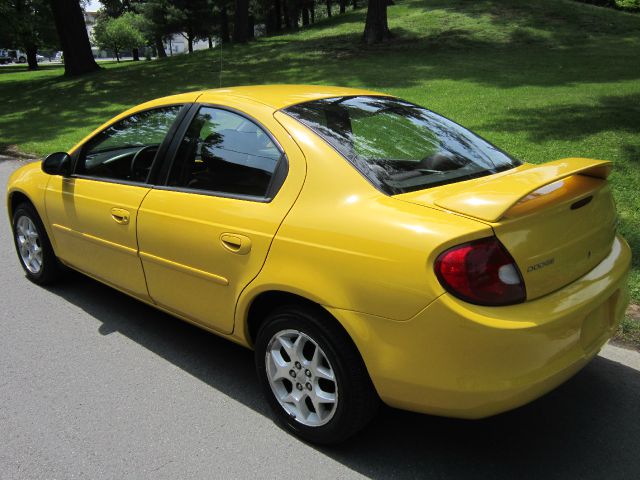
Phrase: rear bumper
(462, 360)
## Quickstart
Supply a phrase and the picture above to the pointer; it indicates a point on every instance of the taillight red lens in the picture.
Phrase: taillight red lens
(481, 272)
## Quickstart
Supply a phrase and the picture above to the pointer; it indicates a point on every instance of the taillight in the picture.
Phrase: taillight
(481, 272)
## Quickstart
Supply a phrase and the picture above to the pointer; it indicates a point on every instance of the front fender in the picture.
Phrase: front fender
(30, 181)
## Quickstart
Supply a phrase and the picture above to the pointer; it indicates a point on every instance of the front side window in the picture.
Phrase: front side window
(224, 152)
(126, 150)
(398, 146)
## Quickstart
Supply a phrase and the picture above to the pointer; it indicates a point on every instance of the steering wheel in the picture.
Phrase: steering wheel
(145, 168)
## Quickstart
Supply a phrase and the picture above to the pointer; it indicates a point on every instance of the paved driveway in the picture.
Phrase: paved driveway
(96, 385)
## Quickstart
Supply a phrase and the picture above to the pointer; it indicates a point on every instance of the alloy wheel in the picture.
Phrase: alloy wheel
(301, 378)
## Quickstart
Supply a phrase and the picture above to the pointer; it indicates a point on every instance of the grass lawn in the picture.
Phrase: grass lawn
(543, 80)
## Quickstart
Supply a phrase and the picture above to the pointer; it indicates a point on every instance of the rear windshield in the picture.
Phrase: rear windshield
(398, 146)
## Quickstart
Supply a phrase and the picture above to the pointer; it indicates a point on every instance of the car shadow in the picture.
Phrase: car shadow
(587, 428)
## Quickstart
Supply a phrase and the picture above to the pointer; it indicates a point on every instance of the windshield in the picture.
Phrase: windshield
(398, 146)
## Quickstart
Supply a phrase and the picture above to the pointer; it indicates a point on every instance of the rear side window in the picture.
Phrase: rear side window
(398, 146)
(223, 152)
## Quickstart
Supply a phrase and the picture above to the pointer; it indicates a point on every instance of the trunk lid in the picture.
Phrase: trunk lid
(557, 220)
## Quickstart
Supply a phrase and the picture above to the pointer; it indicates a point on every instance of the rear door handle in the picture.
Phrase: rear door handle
(236, 243)
(120, 215)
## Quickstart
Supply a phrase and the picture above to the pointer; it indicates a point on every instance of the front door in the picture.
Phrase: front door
(94, 212)
(206, 234)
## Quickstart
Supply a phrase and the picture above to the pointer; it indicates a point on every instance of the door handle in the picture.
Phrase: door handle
(236, 243)
(120, 216)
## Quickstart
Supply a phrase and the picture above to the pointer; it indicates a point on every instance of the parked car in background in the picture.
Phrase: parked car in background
(5, 57)
(18, 56)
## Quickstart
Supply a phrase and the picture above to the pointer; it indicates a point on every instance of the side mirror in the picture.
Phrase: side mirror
(58, 163)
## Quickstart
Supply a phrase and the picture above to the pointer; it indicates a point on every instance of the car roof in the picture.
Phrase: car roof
(281, 96)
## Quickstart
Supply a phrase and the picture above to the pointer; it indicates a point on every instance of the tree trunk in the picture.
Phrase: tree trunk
(293, 9)
(135, 52)
(376, 29)
(160, 47)
(224, 25)
(277, 14)
(74, 40)
(210, 42)
(117, 55)
(355, 5)
(312, 12)
(251, 23)
(285, 14)
(305, 14)
(343, 6)
(32, 61)
(241, 21)
(329, 8)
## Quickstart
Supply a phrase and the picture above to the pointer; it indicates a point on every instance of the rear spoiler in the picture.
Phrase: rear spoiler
(489, 198)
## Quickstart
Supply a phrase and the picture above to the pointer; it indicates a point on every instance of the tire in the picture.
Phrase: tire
(49, 269)
(355, 401)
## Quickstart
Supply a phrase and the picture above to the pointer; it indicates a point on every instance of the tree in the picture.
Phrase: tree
(161, 16)
(29, 27)
(119, 33)
(224, 23)
(115, 8)
(241, 21)
(193, 19)
(376, 28)
(72, 32)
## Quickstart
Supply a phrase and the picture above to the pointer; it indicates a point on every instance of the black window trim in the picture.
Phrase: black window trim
(157, 161)
(277, 178)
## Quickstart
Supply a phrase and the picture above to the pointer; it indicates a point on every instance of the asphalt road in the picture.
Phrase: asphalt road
(96, 385)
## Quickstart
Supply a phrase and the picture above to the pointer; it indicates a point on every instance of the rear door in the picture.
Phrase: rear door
(206, 234)
(94, 212)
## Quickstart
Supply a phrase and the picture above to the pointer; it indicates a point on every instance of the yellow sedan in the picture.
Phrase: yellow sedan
(365, 247)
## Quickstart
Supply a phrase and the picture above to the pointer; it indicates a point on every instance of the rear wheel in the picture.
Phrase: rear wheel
(33, 246)
(313, 376)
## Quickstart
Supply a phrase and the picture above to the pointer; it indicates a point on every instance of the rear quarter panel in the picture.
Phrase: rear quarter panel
(345, 245)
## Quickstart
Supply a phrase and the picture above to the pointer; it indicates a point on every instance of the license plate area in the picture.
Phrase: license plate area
(596, 326)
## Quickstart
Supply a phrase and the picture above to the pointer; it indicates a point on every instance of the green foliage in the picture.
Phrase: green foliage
(628, 5)
(628, 332)
(543, 80)
(632, 5)
(27, 23)
(125, 31)
(163, 18)
(194, 17)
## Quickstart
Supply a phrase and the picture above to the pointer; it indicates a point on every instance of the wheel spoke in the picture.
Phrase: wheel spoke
(298, 346)
(325, 373)
(325, 397)
(287, 345)
(280, 367)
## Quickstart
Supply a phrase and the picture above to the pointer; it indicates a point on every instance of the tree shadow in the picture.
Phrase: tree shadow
(587, 428)
(48, 108)
(25, 68)
(576, 121)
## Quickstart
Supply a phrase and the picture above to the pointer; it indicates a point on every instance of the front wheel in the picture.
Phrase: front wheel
(313, 376)
(33, 246)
